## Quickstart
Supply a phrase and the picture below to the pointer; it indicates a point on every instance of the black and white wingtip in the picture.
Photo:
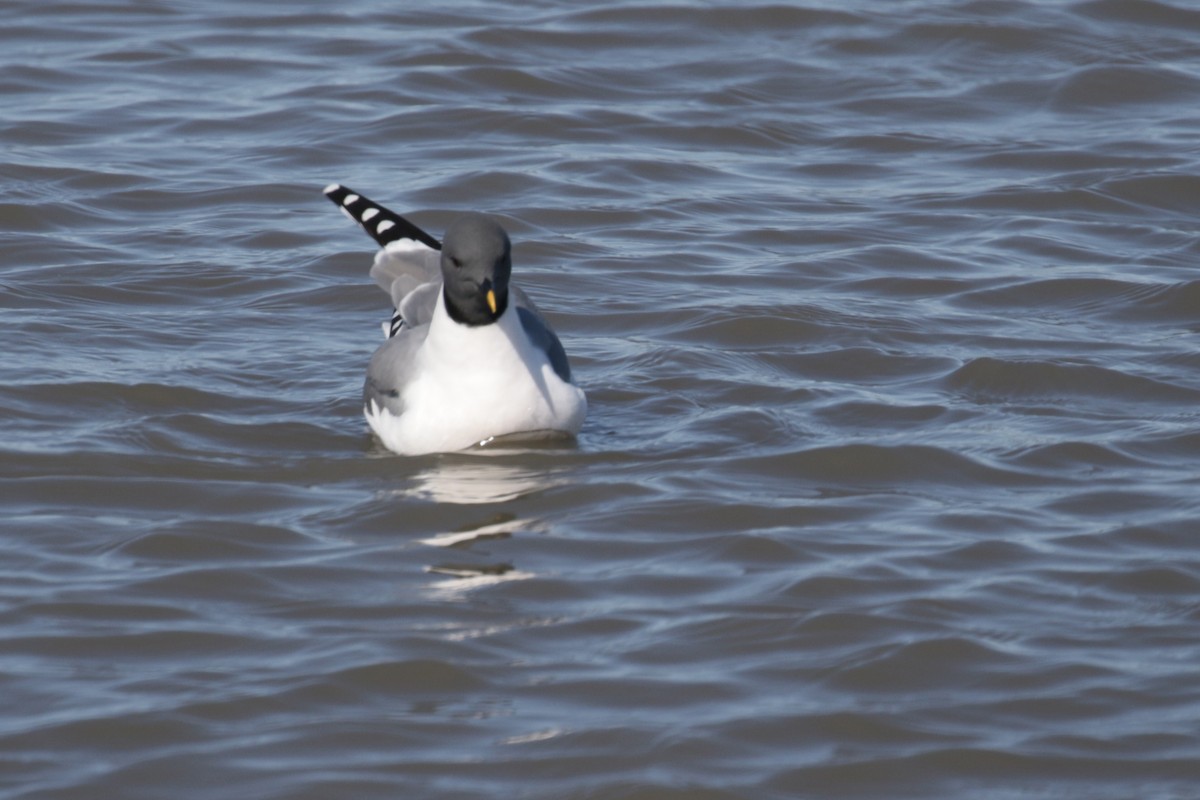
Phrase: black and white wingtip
(382, 225)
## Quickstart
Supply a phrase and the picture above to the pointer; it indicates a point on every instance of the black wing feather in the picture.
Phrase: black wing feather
(381, 224)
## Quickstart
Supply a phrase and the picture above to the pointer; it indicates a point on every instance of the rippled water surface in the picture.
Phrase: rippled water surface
(888, 317)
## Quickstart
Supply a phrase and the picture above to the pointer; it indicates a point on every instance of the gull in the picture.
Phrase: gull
(468, 357)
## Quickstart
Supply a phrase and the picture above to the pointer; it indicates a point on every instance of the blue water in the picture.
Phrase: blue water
(887, 315)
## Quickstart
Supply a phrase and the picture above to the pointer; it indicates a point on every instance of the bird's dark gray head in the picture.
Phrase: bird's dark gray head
(476, 266)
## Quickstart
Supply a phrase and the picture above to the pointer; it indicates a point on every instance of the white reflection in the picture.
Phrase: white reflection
(497, 530)
(464, 580)
(476, 480)
(536, 736)
(458, 579)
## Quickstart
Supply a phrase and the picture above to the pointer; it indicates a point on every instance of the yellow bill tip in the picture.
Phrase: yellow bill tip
(491, 300)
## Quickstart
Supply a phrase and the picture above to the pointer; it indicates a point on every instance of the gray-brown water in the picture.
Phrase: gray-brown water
(888, 316)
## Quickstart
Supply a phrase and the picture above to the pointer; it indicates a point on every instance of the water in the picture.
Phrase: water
(887, 315)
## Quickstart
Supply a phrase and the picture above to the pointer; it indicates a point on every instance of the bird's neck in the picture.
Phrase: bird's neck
(474, 317)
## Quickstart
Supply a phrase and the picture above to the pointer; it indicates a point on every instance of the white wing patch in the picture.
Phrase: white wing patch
(406, 246)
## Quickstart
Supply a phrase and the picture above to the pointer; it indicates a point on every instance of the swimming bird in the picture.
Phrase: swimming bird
(468, 356)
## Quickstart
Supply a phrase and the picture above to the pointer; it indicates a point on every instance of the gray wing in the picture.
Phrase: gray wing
(408, 258)
(418, 305)
(413, 279)
(400, 269)
(390, 367)
(540, 333)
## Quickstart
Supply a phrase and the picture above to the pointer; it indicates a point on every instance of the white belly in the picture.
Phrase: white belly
(471, 384)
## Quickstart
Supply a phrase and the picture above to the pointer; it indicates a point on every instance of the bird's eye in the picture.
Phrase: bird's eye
(456, 262)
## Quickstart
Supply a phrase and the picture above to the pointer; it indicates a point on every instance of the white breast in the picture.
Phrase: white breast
(469, 384)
